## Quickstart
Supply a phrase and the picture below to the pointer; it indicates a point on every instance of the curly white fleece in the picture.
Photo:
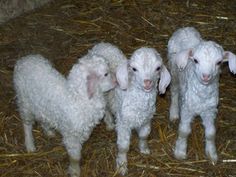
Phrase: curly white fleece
(44, 95)
(133, 103)
(195, 67)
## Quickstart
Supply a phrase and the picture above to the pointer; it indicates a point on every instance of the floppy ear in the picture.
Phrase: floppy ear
(122, 75)
(231, 61)
(164, 80)
(181, 58)
(92, 82)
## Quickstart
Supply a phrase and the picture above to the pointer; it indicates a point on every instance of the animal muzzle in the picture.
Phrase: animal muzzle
(206, 77)
(148, 84)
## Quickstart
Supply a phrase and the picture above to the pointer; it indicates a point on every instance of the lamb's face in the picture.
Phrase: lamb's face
(207, 57)
(107, 79)
(145, 68)
(97, 74)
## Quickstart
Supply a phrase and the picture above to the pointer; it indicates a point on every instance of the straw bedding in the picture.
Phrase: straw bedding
(64, 30)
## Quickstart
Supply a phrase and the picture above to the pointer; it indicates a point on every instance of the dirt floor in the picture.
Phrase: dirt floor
(63, 31)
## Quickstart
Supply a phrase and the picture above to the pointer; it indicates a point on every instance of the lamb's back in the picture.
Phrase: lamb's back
(36, 74)
(182, 39)
(39, 87)
(113, 55)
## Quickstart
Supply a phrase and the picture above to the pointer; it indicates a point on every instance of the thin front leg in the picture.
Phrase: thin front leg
(184, 131)
(73, 147)
(123, 142)
(208, 120)
(143, 133)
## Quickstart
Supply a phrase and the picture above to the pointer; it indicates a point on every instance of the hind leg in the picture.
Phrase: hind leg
(29, 140)
(174, 106)
(174, 90)
(28, 121)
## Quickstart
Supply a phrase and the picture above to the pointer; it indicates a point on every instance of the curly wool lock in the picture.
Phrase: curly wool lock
(73, 106)
(195, 68)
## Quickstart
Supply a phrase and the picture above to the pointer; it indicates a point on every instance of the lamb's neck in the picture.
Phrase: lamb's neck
(77, 90)
(204, 90)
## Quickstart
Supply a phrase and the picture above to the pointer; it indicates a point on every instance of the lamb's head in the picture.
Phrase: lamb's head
(207, 57)
(96, 74)
(144, 70)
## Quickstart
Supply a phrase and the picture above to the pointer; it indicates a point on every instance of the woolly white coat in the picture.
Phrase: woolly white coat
(73, 106)
(134, 102)
(195, 67)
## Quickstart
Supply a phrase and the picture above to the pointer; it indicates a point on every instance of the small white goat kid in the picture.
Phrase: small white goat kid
(73, 106)
(136, 104)
(195, 67)
(114, 58)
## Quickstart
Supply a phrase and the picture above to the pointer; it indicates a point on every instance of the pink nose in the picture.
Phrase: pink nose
(147, 83)
(206, 77)
(114, 80)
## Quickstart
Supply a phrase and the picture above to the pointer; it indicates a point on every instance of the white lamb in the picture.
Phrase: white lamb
(137, 104)
(73, 106)
(114, 58)
(195, 67)
(134, 102)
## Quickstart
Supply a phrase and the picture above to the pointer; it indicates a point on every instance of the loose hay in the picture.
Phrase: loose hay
(67, 29)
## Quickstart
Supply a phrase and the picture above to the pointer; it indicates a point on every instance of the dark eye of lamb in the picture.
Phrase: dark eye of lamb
(195, 60)
(134, 69)
(219, 62)
(106, 74)
(158, 68)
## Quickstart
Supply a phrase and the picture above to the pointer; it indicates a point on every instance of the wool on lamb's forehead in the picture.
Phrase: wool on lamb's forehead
(208, 50)
(146, 56)
(94, 61)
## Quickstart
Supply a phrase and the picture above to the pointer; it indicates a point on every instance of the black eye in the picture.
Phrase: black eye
(134, 69)
(195, 60)
(219, 62)
(106, 74)
(158, 68)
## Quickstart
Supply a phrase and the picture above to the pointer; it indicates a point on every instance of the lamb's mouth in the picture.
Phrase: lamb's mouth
(148, 89)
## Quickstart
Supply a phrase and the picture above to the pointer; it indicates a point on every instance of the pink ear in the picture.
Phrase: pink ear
(181, 58)
(164, 80)
(122, 75)
(231, 61)
(92, 81)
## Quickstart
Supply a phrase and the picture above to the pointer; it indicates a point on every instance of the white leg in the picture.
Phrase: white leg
(28, 120)
(73, 147)
(29, 139)
(123, 142)
(109, 120)
(174, 90)
(210, 131)
(184, 131)
(143, 133)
